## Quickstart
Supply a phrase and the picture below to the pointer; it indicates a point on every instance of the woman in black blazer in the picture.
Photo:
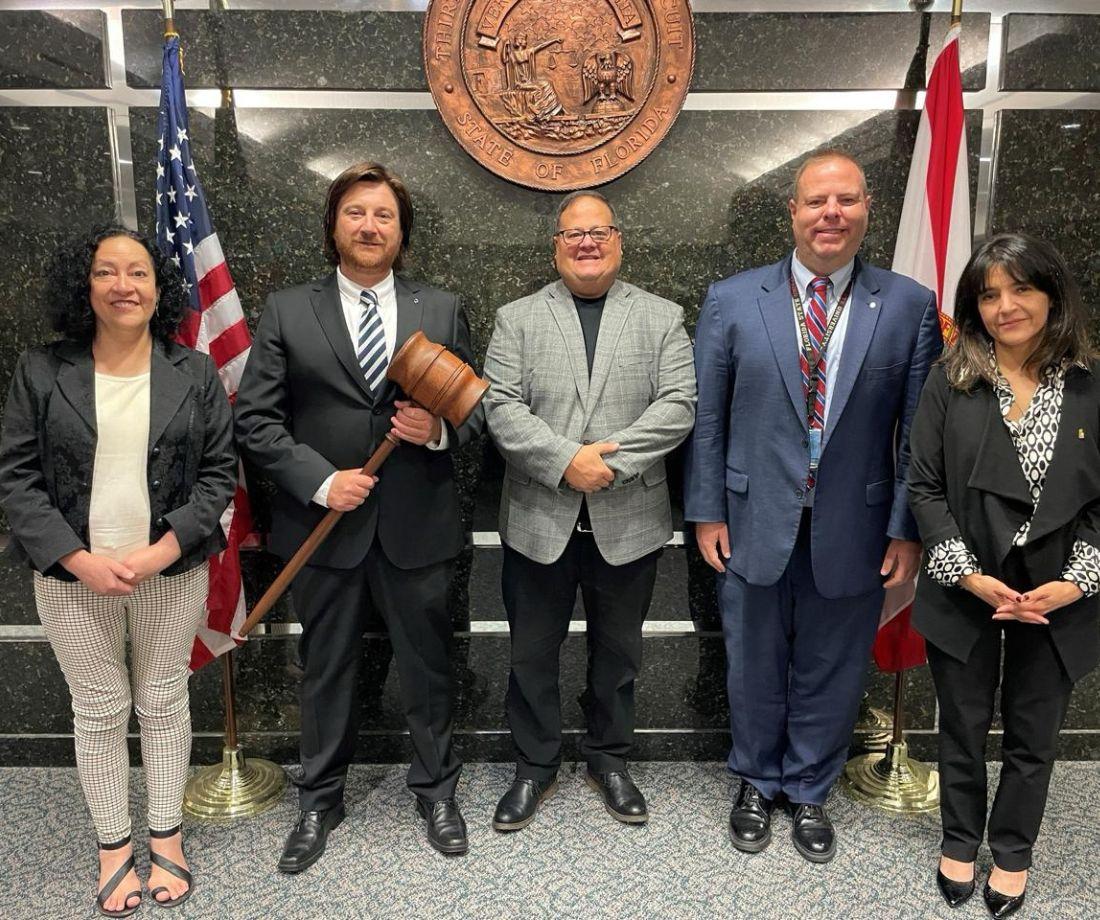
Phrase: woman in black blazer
(116, 463)
(1004, 482)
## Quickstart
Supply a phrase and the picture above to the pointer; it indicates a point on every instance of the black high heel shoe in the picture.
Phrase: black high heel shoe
(956, 894)
(114, 881)
(1002, 905)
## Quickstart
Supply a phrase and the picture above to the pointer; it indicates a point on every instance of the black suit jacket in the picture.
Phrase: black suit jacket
(965, 479)
(304, 411)
(49, 443)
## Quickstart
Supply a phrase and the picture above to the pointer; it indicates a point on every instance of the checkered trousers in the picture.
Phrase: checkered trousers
(88, 635)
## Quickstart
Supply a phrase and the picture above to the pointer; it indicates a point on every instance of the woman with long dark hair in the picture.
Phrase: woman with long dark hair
(1004, 481)
(116, 463)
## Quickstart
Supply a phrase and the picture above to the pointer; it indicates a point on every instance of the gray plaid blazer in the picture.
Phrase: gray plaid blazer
(542, 407)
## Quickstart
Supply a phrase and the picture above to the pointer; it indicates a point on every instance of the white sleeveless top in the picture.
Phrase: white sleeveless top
(118, 516)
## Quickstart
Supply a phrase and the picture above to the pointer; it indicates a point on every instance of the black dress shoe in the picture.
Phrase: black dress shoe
(306, 842)
(1002, 905)
(623, 800)
(751, 820)
(812, 833)
(517, 807)
(956, 894)
(446, 827)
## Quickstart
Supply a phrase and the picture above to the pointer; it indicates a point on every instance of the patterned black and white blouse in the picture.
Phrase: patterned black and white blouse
(1033, 435)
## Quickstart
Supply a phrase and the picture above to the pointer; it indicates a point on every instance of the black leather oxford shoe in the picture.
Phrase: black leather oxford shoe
(623, 800)
(956, 894)
(1002, 905)
(446, 827)
(306, 842)
(751, 820)
(812, 832)
(517, 807)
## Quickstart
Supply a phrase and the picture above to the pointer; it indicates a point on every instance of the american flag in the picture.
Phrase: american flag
(214, 325)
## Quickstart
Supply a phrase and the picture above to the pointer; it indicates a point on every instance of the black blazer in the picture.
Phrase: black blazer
(965, 479)
(304, 411)
(48, 444)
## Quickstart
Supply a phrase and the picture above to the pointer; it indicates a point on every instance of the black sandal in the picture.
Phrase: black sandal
(114, 881)
(172, 868)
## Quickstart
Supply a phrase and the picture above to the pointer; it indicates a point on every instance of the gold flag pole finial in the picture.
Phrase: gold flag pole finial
(169, 19)
(956, 12)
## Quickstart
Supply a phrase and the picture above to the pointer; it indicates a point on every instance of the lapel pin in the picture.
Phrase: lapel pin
(1080, 434)
(873, 304)
(416, 300)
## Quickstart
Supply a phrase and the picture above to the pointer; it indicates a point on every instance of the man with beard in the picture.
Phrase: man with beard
(313, 403)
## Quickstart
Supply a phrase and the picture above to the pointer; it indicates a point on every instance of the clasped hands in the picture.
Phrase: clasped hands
(1033, 607)
(587, 471)
(350, 488)
(111, 578)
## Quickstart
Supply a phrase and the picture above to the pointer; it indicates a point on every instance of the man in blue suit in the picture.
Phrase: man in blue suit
(809, 372)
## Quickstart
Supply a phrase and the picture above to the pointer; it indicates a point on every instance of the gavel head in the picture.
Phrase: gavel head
(437, 379)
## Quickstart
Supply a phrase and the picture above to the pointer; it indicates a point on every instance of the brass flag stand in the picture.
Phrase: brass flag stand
(892, 780)
(874, 727)
(235, 788)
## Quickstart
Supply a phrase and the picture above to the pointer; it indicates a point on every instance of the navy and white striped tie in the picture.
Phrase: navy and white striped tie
(372, 342)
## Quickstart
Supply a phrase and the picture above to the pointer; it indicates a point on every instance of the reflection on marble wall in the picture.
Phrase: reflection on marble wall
(1051, 52)
(775, 51)
(267, 49)
(52, 49)
(735, 52)
(1048, 184)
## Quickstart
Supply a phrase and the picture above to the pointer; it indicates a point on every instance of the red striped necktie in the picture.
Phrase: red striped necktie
(816, 323)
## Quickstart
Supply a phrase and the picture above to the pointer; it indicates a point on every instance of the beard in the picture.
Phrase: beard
(369, 259)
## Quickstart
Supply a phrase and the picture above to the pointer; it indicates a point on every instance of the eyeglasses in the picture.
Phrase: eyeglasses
(574, 235)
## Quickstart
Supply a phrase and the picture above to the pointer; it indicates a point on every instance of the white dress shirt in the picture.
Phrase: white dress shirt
(838, 280)
(386, 293)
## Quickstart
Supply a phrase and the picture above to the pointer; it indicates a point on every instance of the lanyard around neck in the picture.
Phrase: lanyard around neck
(813, 357)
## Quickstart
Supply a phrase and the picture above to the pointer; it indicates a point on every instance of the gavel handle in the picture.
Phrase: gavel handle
(309, 547)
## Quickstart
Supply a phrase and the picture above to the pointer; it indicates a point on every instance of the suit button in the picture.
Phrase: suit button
(156, 451)
(586, 441)
(799, 494)
(376, 411)
(160, 523)
(155, 484)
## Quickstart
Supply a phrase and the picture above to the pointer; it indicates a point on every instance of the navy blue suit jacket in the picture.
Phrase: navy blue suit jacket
(747, 458)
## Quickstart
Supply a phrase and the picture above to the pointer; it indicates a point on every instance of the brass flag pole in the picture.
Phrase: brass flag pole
(237, 787)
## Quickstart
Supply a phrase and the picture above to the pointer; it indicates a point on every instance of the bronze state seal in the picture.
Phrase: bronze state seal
(559, 94)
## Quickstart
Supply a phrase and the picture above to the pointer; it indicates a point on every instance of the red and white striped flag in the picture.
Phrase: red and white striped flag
(933, 246)
(214, 325)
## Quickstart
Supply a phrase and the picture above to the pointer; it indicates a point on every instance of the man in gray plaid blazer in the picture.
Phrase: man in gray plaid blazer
(592, 384)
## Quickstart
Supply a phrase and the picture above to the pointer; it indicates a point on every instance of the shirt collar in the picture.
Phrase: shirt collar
(350, 290)
(803, 276)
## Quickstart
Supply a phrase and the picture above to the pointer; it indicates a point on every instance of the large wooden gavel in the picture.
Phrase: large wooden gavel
(435, 379)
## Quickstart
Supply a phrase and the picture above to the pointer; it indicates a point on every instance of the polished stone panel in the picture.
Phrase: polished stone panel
(1048, 185)
(1051, 52)
(769, 52)
(55, 182)
(282, 49)
(52, 49)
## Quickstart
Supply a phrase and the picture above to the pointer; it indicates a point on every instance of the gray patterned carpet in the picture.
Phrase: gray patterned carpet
(575, 861)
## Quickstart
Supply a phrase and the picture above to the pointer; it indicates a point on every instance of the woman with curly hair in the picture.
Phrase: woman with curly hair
(1004, 481)
(116, 463)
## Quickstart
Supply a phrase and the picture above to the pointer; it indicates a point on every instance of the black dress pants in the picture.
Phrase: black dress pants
(333, 606)
(539, 600)
(1035, 691)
